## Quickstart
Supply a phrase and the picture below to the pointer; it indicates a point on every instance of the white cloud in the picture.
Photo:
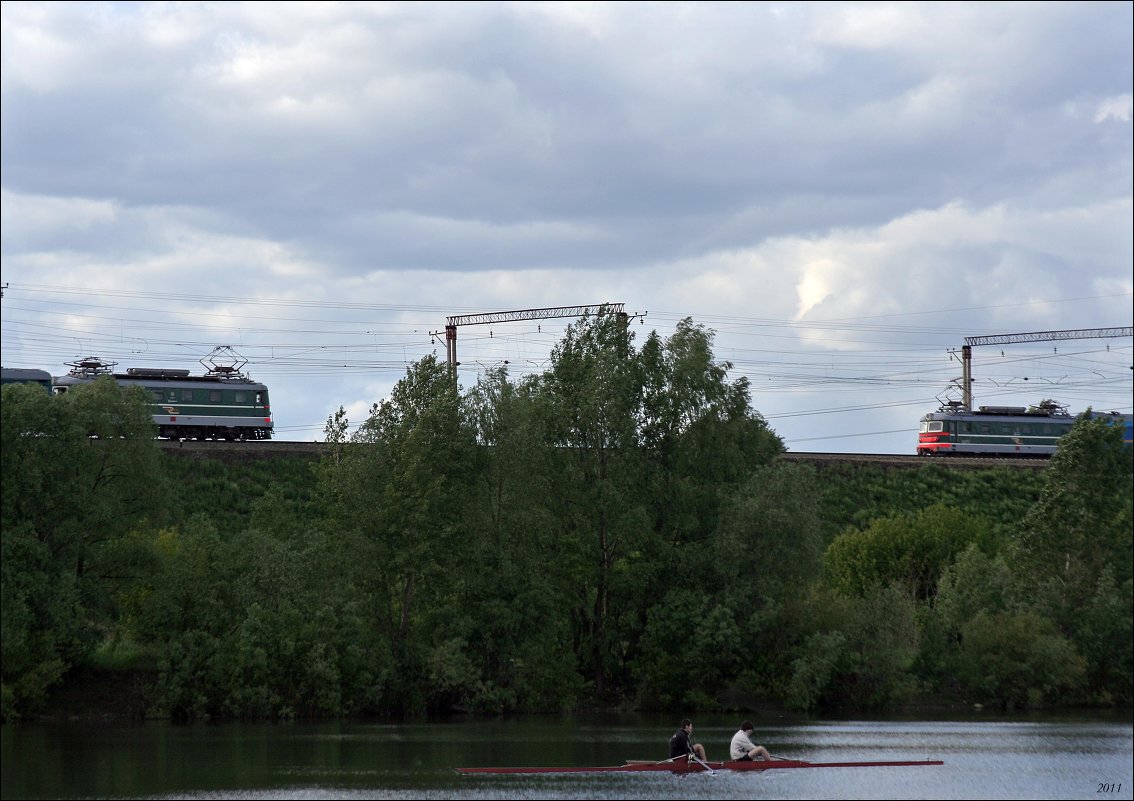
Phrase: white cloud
(776, 170)
(37, 214)
(1115, 108)
(877, 26)
(35, 54)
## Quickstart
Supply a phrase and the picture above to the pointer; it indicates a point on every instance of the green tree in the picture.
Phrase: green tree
(976, 582)
(1104, 638)
(769, 547)
(690, 650)
(911, 549)
(80, 472)
(593, 397)
(513, 616)
(1083, 522)
(1017, 659)
(767, 554)
(1073, 550)
(701, 442)
(987, 640)
(861, 655)
(699, 432)
(401, 499)
(183, 612)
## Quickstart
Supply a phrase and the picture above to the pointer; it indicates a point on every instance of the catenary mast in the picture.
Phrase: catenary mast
(488, 318)
(1034, 336)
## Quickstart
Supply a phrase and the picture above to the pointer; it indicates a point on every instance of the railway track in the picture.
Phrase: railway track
(912, 460)
(270, 449)
(247, 451)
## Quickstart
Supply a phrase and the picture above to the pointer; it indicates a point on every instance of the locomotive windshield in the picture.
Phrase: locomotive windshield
(929, 426)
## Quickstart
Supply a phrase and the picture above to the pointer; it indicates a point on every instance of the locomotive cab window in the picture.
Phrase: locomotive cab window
(240, 397)
(931, 426)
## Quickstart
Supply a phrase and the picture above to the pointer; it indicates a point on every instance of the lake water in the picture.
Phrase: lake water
(984, 758)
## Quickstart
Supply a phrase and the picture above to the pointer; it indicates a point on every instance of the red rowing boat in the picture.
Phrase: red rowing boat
(696, 766)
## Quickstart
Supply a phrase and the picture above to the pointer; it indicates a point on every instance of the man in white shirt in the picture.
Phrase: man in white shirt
(742, 749)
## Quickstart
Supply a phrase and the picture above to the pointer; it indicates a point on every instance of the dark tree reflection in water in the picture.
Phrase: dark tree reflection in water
(1088, 757)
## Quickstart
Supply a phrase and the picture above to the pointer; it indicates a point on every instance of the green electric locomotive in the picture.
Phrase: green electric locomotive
(222, 404)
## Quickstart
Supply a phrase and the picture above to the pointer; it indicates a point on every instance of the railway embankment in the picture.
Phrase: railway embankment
(271, 449)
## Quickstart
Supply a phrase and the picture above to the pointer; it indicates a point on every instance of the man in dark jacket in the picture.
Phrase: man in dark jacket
(680, 744)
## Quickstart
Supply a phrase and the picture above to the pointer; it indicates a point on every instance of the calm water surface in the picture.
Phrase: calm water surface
(1079, 758)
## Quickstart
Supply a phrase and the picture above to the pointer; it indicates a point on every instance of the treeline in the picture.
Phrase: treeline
(615, 531)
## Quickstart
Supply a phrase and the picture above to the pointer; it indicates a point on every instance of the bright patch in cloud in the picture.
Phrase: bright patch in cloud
(1115, 108)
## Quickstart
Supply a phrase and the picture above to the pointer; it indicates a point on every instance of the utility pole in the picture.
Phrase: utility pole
(1035, 336)
(488, 318)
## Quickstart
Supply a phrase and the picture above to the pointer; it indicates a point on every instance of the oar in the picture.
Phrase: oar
(786, 759)
(702, 763)
(651, 761)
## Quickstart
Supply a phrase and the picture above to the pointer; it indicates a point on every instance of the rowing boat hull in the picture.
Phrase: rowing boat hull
(695, 767)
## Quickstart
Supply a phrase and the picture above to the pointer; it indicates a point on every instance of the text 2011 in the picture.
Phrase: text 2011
(1109, 787)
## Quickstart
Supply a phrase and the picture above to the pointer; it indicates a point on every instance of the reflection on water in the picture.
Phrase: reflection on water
(983, 759)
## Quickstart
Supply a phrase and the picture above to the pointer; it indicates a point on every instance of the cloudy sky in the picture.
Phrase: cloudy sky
(843, 192)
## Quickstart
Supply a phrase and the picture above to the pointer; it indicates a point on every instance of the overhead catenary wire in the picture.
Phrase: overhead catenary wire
(376, 343)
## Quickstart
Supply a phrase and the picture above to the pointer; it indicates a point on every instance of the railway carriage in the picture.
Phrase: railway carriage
(1000, 430)
(222, 404)
(20, 375)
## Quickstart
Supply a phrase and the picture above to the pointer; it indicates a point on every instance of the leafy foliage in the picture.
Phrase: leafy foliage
(1083, 522)
(1017, 659)
(862, 660)
(911, 549)
(69, 503)
(617, 530)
